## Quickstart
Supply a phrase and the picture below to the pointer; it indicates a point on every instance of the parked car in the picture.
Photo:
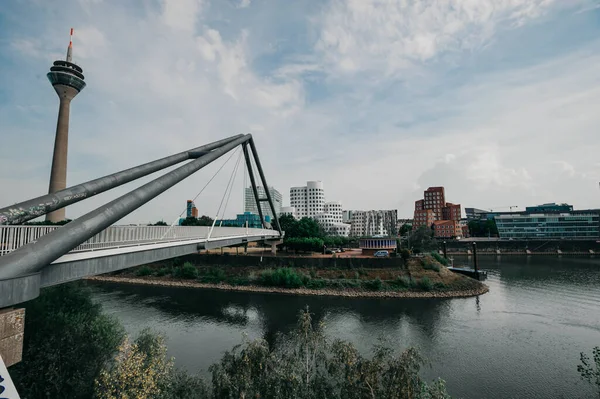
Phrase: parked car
(381, 254)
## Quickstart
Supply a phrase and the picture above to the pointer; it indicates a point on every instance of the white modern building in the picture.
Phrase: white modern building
(374, 223)
(308, 200)
(250, 201)
(331, 219)
(289, 211)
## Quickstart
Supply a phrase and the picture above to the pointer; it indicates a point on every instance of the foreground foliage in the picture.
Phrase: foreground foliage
(68, 339)
(591, 372)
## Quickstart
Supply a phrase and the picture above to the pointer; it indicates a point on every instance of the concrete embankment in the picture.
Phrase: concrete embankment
(293, 291)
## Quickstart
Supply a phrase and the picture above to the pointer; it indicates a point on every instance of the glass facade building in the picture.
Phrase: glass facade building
(527, 225)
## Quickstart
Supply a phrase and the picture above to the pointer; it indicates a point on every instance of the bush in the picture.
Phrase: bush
(143, 271)
(373, 285)
(281, 277)
(405, 254)
(316, 283)
(425, 284)
(163, 271)
(440, 258)
(177, 262)
(187, 271)
(429, 265)
(402, 282)
(68, 339)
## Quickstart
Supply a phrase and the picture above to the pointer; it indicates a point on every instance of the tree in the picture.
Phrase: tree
(483, 228)
(68, 340)
(288, 224)
(405, 229)
(201, 221)
(139, 370)
(159, 223)
(421, 240)
(308, 227)
(591, 372)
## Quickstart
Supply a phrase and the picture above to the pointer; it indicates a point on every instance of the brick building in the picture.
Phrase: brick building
(433, 208)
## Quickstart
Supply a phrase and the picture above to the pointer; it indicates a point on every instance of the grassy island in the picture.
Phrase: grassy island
(417, 277)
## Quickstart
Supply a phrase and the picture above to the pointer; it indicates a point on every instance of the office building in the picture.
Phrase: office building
(191, 210)
(374, 223)
(447, 229)
(247, 219)
(308, 200)
(331, 219)
(476, 214)
(250, 201)
(67, 79)
(549, 221)
(289, 211)
(434, 208)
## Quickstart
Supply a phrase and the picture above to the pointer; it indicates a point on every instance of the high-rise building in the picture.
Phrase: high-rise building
(289, 211)
(308, 200)
(433, 208)
(374, 223)
(250, 201)
(68, 80)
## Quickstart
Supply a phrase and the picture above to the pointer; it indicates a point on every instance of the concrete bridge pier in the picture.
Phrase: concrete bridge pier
(274, 244)
(12, 328)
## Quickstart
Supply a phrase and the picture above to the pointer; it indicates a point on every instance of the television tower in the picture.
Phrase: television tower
(67, 79)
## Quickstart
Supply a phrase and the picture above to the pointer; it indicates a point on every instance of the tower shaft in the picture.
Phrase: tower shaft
(58, 173)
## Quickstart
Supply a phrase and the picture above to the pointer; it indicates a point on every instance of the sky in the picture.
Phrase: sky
(494, 99)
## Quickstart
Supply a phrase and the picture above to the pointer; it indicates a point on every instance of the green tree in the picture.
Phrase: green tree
(288, 224)
(67, 342)
(201, 221)
(308, 227)
(483, 228)
(591, 372)
(421, 240)
(405, 229)
(159, 223)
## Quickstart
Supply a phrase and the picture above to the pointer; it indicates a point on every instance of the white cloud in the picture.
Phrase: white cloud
(181, 14)
(393, 35)
(244, 3)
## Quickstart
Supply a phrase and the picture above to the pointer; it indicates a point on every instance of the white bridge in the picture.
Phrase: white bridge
(120, 247)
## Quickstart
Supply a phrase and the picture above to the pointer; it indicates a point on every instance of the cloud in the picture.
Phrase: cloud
(244, 3)
(362, 95)
(394, 35)
(181, 14)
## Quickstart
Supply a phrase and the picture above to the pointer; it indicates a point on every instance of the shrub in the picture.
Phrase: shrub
(356, 275)
(440, 258)
(425, 284)
(143, 271)
(177, 262)
(373, 285)
(187, 271)
(313, 273)
(405, 254)
(402, 282)
(162, 271)
(428, 265)
(316, 283)
(281, 277)
(239, 281)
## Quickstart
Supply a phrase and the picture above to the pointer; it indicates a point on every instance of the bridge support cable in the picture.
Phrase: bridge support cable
(33, 208)
(32, 257)
(200, 192)
(227, 190)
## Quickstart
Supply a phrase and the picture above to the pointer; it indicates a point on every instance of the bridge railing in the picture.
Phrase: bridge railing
(13, 237)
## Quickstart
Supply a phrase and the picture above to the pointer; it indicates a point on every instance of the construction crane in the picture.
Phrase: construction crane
(495, 208)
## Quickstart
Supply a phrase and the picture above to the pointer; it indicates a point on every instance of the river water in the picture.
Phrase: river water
(520, 340)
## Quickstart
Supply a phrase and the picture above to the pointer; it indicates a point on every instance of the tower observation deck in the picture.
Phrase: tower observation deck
(67, 79)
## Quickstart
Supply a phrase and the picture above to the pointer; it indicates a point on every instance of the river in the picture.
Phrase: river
(520, 340)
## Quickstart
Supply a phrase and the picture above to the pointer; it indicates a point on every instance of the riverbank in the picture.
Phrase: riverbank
(157, 281)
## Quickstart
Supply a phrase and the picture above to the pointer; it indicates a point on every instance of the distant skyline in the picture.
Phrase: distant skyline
(493, 99)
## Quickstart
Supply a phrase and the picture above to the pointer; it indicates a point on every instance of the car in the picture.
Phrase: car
(381, 254)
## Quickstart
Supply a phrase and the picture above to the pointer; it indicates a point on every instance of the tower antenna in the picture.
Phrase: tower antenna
(70, 49)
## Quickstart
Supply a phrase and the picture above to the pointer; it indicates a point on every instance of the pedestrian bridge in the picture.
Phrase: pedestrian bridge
(121, 247)
(33, 257)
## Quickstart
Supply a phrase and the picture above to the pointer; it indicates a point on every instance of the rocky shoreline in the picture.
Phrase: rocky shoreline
(292, 291)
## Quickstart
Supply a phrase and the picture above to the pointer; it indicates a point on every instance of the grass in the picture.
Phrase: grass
(440, 258)
(283, 277)
(143, 271)
(425, 284)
